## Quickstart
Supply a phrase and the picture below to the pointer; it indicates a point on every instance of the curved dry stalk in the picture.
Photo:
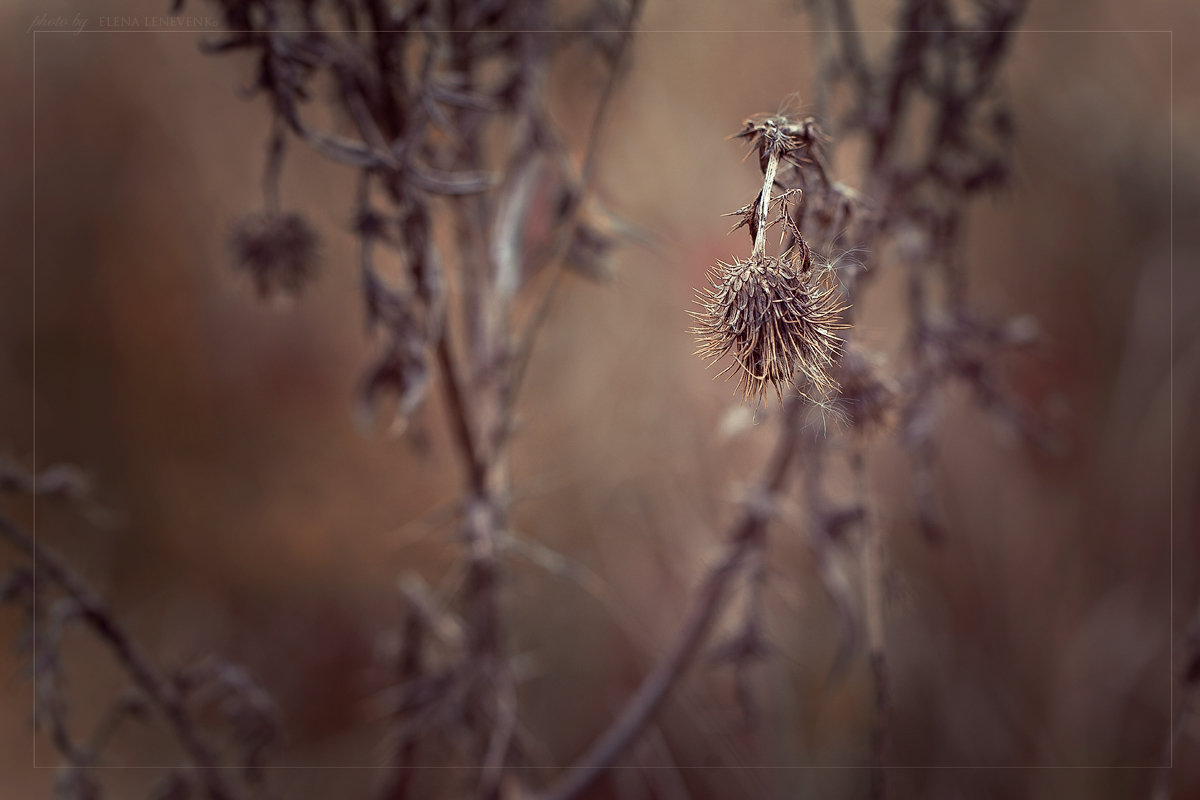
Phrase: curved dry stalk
(162, 695)
(744, 537)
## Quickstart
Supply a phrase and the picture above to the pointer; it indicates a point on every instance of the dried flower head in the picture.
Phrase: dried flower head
(774, 320)
(279, 251)
(794, 140)
(771, 313)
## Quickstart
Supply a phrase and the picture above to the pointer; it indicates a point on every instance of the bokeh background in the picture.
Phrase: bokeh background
(254, 516)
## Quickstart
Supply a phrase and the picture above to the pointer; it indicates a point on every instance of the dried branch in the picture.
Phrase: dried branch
(874, 584)
(160, 693)
(745, 536)
(428, 92)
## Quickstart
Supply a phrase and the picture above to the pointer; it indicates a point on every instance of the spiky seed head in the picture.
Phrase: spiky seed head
(774, 320)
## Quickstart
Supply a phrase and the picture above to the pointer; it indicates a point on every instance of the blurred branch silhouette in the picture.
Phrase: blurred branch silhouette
(448, 105)
(439, 111)
(919, 203)
(176, 698)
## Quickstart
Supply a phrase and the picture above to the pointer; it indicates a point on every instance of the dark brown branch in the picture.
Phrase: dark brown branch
(743, 539)
(159, 692)
(874, 576)
(461, 420)
(850, 38)
(409, 670)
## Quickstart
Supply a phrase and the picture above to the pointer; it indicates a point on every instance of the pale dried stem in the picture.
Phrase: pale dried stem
(764, 205)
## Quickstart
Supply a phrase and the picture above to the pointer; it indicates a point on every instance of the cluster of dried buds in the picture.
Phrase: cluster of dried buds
(771, 313)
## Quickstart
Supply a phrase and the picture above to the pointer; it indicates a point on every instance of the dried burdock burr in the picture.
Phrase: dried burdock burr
(278, 251)
(770, 313)
(773, 320)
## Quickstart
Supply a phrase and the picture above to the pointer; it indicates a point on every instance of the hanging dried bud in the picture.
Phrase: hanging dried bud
(279, 251)
(401, 372)
(774, 320)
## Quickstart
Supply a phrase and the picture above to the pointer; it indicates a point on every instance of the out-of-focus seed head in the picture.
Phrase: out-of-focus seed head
(278, 251)
(773, 320)
(869, 397)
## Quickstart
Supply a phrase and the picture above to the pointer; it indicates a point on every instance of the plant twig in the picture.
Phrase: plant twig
(874, 576)
(159, 692)
(744, 537)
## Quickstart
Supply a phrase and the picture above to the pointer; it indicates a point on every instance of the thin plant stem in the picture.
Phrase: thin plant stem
(159, 692)
(744, 538)
(764, 204)
(874, 576)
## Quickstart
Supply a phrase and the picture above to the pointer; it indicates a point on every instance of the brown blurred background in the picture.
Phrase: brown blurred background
(255, 518)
